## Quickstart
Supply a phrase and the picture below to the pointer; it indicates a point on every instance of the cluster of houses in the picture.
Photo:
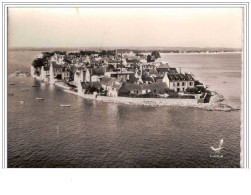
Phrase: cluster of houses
(126, 74)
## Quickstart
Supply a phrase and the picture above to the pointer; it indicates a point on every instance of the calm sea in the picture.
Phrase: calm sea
(98, 134)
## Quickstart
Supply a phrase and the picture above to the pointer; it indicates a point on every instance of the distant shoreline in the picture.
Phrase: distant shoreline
(201, 53)
(137, 49)
(166, 53)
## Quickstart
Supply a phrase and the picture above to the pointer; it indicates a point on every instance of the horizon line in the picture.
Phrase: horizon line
(124, 47)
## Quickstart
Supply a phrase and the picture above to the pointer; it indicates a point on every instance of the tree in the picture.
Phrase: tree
(111, 52)
(47, 54)
(103, 53)
(149, 58)
(38, 63)
(90, 89)
(155, 54)
(74, 54)
(167, 90)
(60, 52)
(110, 68)
(66, 59)
(193, 90)
(196, 82)
(139, 54)
(83, 53)
(120, 66)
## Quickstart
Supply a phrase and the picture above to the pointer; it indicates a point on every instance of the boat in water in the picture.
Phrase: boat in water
(65, 105)
(39, 98)
(12, 84)
(34, 85)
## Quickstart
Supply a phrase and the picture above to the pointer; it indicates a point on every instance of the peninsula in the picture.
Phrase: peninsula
(128, 77)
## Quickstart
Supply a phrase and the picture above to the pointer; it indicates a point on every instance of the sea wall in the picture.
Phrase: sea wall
(149, 101)
(139, 101)
(216, 104)
(62, 85)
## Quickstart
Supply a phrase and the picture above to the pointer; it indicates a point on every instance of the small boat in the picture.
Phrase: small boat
(21, 102)
(11, 94)
(39, 98)
(34, 85)
(65, 105)
(12, 84)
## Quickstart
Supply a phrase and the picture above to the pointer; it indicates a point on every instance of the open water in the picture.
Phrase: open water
(99, 134)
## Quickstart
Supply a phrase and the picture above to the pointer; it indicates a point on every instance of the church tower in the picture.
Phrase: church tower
(52, 80)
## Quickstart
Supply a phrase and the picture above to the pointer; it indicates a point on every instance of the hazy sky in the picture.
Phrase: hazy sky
(87, 27)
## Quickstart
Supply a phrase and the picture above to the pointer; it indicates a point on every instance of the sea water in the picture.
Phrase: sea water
(90, 133)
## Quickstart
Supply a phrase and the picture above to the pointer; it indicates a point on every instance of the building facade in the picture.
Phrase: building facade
(178, 82)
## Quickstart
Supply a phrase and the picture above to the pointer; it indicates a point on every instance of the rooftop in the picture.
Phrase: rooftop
(180, 77)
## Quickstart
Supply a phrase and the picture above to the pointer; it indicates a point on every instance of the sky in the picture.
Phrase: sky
(125, 27)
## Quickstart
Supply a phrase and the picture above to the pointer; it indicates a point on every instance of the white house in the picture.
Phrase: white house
(113, 90)
(178, 82)
(65, 75)
(95, 78)
(59, 59)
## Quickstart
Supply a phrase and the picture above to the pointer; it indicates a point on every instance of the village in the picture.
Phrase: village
(115, 74)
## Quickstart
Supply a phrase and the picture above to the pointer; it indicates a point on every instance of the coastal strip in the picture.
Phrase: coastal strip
(215, 104)
(121, 77)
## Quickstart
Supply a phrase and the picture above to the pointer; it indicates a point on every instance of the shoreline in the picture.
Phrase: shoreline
(216, 104)
(203, 53)
(216, 101)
